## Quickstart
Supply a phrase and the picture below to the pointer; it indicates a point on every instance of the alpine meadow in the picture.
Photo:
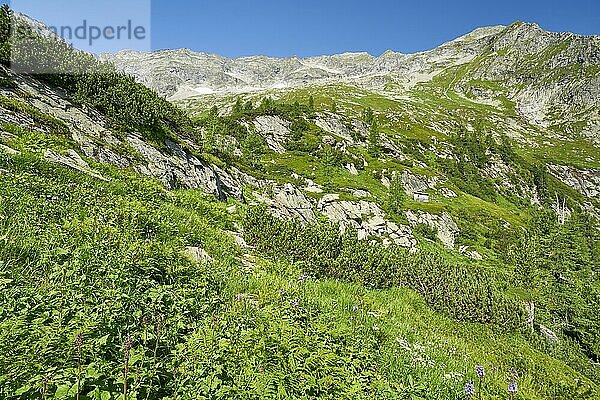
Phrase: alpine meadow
(182, 225)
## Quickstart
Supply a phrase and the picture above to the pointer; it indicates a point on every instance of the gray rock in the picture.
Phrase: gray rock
(585, 181)
(72, 160)
(198, 254)
(549, 335)
(332, 124)
(286, 201)
(361, 193)
(367, 218)
(8, 150)
(416, 183)
(274, 130)
(447, 193)
(180, 169)
(446, 228)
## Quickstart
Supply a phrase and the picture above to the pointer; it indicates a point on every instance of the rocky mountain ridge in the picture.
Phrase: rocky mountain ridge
(184, 73)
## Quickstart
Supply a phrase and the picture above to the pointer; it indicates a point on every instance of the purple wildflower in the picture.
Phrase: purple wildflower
(294, 303)
(480, 371)
(512, 387)
(469, 389)
(354, 308)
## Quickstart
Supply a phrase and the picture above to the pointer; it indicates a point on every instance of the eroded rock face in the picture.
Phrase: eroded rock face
(417, 183)
(173, 165)
(367, 218)
(286, 201)
(334, 125)
(177, 168)
(585, 181)
(274, 130)
(446, 228)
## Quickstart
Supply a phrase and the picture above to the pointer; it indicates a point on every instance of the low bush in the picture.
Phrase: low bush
(465, 291)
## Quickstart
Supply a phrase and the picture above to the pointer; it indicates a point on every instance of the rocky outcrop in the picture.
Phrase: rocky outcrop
(472, 254)
(274, 130)
(417, 183)
(198, 254)
(177, 168)
(332, 124)
(585, 181)
(445, 227)
(367, 218)
(286, 201)
(73, 160)
(173, 165)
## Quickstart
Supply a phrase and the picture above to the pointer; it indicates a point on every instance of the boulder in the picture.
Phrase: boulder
(198, 254)
(417, 183)
(443, 224)
(367, 218)
(549, 335)
(274, 130)
(286, 201)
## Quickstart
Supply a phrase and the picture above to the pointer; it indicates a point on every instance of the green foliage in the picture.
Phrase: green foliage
(559, 266)
(253, 147)
(130, 105)
(425, 231)
(105, 260)
(467, 292)
(5, 30)
(368, 116)
(373, 140)
(127, 105)
(473, 153)
(334, 107)
(396, 195)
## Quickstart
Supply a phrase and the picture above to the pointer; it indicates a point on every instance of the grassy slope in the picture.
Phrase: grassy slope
(104, 259)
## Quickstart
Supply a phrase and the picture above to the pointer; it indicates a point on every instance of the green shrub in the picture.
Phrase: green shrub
(466, 292)
(127, 104)
(425, 231)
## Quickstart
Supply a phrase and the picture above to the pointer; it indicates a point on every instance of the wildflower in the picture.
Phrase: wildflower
(354, 308)
(281, 292)
(302, 278)
(512, 387)
(469, 389)
(294, 303)
(480, 371)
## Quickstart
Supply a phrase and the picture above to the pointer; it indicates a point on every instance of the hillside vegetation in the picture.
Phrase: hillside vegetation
(276, 245)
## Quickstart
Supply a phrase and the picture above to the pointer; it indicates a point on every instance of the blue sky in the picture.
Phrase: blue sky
(314, 27)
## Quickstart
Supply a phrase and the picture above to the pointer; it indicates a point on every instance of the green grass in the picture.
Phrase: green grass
(105, 259)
